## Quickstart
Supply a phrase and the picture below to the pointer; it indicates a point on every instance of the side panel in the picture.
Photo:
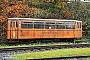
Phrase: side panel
(27, 34)
(30, 34)
(78, 30)
(49, 33)
(65, 33)
(14, 29)
(8, 30)
(19, 29)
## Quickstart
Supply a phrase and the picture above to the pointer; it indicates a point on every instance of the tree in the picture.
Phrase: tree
(81, 11)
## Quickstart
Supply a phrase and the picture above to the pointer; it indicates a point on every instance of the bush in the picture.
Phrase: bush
(3, 40)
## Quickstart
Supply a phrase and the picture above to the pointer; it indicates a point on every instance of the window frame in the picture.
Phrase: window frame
(27, 23)
(78, 25)
(71, 25)
(61, 24)
(39, 26)
(50, 25)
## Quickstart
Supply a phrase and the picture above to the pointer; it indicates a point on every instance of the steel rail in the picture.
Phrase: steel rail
(43, 48)
(5, 53)
(61, 58)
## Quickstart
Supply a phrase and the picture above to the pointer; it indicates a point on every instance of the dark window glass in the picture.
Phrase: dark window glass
(27, 25)
(11, 24)
(77, 25)
(80, 25)
(16, 24)
(38, 25)
(49, 25)
(70, 26)
(60, 26)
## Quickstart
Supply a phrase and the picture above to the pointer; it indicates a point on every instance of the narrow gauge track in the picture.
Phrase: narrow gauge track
(65, 58)
(5, 53)
(43, 48)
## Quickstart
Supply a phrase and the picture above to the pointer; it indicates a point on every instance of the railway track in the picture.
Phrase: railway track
(65, 58)
(43, 48)
(6, 52)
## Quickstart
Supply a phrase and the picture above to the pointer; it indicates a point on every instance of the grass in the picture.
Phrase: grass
(37, 44)
(54, 53)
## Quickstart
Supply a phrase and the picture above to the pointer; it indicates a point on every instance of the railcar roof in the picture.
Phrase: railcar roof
(43, 19)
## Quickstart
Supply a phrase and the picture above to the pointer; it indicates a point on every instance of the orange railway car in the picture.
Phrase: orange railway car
(32, 28)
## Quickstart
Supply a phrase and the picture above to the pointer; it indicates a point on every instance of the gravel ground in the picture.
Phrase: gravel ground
(7, 56)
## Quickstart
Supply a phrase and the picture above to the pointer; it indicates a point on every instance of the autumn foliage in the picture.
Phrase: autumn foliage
(3, 25)
(19, 9)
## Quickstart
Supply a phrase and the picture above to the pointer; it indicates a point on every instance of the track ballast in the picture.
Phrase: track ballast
(6, 52)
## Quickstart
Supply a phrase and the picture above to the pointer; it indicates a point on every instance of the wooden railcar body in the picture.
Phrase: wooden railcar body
(32, 28)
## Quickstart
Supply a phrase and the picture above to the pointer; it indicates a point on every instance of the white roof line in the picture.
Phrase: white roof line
(42, 19)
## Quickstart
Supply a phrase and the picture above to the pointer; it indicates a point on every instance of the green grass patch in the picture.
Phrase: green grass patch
(54, 53)
(37, 44)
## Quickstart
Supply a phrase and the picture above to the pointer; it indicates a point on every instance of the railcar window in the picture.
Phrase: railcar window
(78, 25)
(11, 24)
(16, 24)
(38, 25)
(70, 26)
(60, 26)
(27, 25)
(49, 25)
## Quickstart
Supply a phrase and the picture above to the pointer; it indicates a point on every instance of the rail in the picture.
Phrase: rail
(40, 48)
(64, 58)
(5, 53)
